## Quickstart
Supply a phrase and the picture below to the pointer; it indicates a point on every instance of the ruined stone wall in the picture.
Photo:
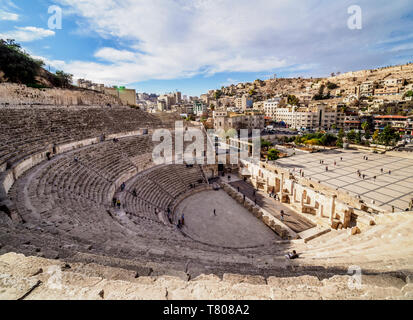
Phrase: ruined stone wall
(306, 195)
(16, 94)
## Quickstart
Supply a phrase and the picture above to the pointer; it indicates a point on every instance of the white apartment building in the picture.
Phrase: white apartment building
(316, 117)
(367, 88)
(392, 82)
(270, 107)
(250, 120)
(244, 102)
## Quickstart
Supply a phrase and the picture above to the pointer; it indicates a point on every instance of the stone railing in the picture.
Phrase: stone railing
(268, 219)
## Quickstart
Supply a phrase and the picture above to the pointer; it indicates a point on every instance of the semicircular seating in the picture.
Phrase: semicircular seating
(65, 204)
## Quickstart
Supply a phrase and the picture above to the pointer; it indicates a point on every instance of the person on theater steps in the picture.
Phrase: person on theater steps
(292, 255)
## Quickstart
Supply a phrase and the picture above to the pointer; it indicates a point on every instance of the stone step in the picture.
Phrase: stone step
(36, 278)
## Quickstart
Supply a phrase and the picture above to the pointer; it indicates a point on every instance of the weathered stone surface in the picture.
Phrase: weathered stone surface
(354, 231)
(236, 278)
(294, 281)
(58, 281)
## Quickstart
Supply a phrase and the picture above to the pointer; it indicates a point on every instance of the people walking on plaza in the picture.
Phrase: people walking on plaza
(389, 171)
(282, 215)
(382, 170)
(114, 200)
(215, 212)
(326, 169)
(118, 203)
(122, 186)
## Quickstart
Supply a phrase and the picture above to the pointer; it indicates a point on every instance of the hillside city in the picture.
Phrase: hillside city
(108, 193)
(367, 100)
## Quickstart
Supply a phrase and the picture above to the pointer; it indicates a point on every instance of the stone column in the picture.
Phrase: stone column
(333, 208)
(320, 210)
(281, 187)
(266, 185)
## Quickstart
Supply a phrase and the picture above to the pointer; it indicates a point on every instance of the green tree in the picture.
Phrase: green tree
(65, 79)
(351, 136)
(328, 140)
(366, 127)
(340, 137)
(265, 144)
(16, 64)
(320, 94)
(357, 139)
(293, 100)
(273, 155)
(331, 86)
(376, 135)
(388, 135)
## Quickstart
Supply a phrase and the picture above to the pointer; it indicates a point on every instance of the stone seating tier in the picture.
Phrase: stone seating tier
(27, 131)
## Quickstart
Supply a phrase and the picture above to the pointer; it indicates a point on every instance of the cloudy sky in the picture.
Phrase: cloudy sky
(196, 45)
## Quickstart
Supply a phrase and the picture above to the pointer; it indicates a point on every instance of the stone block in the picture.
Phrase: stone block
(355, 230)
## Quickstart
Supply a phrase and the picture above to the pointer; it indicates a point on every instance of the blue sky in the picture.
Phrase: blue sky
(162, 45)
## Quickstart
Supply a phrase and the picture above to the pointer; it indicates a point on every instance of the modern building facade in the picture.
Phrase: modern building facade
(315, 117)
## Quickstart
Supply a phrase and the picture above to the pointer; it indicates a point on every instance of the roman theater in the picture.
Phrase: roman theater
(64, 160)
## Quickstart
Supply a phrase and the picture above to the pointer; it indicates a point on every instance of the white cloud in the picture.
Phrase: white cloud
(27, 34)
(181, 38)
(8, 16)
(110, 54)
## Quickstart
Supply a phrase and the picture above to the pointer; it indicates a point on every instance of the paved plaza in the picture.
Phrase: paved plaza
(387, 190)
